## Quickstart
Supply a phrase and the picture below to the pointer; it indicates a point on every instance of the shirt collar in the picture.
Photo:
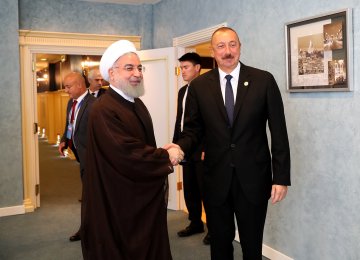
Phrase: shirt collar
(79, 99)
(121, 93)
(235, 73)
(96, 91)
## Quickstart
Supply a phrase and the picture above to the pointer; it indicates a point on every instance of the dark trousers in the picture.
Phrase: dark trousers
(250, 219)
(192, 178)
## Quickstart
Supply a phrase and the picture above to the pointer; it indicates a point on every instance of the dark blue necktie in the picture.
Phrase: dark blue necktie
(229, 99)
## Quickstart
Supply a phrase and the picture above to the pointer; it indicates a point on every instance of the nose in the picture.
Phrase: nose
(137, 72)
(227, 49)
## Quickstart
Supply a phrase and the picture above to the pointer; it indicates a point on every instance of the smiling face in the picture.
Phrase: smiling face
(226, 45)
(127, 75)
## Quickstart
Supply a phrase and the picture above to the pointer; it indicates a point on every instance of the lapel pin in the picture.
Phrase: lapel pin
(246, 83)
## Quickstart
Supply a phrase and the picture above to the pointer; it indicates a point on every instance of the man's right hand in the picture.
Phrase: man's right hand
(176, 155)
(62, 148)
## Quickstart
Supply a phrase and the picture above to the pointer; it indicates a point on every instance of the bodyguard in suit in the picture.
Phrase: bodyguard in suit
(96, 81)
(190, 65)
(75, 133)
(230, 107)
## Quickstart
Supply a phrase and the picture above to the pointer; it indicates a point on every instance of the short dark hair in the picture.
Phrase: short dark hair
(224, 29)
(193, 57)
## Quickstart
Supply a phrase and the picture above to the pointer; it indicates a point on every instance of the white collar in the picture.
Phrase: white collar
(121, 93)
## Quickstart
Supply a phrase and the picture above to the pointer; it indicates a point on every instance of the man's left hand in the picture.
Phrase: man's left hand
(278, 193)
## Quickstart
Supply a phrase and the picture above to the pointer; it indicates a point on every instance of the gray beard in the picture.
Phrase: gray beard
(129, 90)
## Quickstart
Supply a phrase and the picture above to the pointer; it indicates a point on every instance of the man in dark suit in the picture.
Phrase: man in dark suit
(190, 65)
(75, 134)
(230, 107)
(96, 82)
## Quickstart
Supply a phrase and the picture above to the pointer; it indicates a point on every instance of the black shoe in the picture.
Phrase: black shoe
(207, 239)
(191, 230)
(75, 237)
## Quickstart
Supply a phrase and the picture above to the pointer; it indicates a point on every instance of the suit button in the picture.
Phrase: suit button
(232, 145)
(232, 165)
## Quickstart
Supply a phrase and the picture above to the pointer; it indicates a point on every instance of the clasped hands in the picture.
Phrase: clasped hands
(176, 155)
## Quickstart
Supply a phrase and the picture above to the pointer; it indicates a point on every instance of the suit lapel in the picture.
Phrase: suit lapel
(243, 86)
(81, 111)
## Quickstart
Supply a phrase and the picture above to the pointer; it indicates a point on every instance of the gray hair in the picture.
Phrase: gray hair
(92, 72)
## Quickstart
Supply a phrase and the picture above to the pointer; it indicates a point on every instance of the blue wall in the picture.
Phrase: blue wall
(87, 17)
(319, 219)
(11, 184)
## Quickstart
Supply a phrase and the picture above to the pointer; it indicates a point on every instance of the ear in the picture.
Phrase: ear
(198, 67)
(212, 52)
(111, 73)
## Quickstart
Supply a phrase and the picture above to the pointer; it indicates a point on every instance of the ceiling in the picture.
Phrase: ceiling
(129, 2)
(43, 60)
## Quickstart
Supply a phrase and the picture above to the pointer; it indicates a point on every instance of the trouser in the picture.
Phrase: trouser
(192, 178)
(250, 219)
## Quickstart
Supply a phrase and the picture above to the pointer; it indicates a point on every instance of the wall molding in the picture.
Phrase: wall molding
(268, 251)
(197, 37)
(273, 254)
(14, 210)
(28, 37)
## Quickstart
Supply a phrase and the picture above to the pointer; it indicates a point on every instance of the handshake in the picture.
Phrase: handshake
(176, 155)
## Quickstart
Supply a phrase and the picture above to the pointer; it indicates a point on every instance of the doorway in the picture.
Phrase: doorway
(31, 43)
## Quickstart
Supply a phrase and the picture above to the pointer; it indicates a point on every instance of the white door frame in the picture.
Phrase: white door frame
(32, 42)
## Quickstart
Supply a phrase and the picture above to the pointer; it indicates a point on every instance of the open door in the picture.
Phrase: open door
(161, 88)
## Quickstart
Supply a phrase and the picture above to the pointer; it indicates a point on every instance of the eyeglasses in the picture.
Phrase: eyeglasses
(132, 68)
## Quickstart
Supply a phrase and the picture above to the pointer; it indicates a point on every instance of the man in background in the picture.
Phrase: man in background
(77, 114)
(96, 81)
(190, 65)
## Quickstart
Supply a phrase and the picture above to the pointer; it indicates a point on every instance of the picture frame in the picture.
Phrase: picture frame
(319, 53)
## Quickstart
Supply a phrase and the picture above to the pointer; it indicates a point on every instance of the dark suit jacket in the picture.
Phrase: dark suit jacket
(81, 127)
(244, 146)
(195, 156)
(101, 91)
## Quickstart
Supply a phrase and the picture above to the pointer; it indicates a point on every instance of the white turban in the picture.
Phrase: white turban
(112, 53)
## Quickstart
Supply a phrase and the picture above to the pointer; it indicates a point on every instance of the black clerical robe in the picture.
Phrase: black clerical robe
(124, 208)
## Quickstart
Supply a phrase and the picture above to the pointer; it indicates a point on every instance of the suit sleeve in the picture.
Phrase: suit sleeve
(279, 138)
(192, 133)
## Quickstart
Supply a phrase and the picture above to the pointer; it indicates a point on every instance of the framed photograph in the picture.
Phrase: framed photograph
(319, 53)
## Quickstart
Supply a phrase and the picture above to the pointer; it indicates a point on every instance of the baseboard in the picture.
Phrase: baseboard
(267, 251)
(273, 254)
(9, 211)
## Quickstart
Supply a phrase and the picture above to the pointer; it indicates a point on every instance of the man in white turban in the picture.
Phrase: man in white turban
(124, 211)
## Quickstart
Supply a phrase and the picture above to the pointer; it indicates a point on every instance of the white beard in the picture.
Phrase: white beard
(129, 90)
